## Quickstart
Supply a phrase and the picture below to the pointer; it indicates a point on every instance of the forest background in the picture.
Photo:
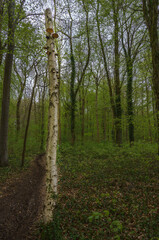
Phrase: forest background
(107, 56)
(105, 67)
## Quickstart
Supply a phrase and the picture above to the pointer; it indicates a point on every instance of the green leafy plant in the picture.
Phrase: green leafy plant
(116, 226)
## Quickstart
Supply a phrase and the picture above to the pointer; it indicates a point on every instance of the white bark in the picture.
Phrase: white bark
(51, 182)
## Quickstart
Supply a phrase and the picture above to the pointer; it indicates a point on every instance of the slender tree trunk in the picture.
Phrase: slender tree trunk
(65, 125)
(105, 64)
(59, 76)
(147, 108)
(82, 113)
(35, 108)
(73, 91)
(72, 94)
(6, 87)
(150, 10)
(96, 106)
(43, 119)
(118, 127)
(87, 125)
(28, 121)
(117, 133)
(18, 106)
(18, 114)
(1, 21)
(130, 111)
(52, 121)
(142, 109)
(59, 97)
(104, 112)
(154, 116)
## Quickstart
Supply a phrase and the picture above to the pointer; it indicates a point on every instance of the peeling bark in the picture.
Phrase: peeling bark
(51, 184)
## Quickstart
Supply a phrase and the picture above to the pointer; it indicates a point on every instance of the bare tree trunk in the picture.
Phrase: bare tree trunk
(19, 103)
(6, 87)
(52, 122)
(148, 113)
(96, 105)
(130, 109)
(43, 118)
(150, 10)
(73, 91)
(59, 76)
(82, 108)
(72, 94)
(104, 114)
(2, 46)
(82, 111)
(118, 127)
(28, 121)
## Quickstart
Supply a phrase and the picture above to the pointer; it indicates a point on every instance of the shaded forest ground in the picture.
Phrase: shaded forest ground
(107, 193)
(21, 201)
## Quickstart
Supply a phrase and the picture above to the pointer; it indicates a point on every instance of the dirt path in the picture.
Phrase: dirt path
(21, 203)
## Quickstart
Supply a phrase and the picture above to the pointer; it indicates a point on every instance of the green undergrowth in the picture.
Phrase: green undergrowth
(14, 166)
(106, 193)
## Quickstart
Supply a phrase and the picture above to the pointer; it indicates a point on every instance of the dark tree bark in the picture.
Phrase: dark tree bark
(97, 117)
(114, 100)
(130, 110)
(72, 94)
(150, 11)
(118, 127)
(105, 64)
(22, 87)
(73, 90)
(147, 108)
(2, 46)
(6, 85)
(12, 22)
(82, 108)
(131, 48)
(97, 83)
(28, 121)
(104, 115)
(43, 117)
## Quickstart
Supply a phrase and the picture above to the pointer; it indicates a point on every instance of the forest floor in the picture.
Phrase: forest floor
(21, 202)
(106, 193)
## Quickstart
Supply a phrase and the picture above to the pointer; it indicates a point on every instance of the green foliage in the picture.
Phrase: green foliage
(106, 192)
(51, 230)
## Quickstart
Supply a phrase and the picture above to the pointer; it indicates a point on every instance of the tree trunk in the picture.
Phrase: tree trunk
(147, 107)
(18, 106)
(117, 100)
(52, 121)
(42, 119)
(130, 111)
(6, 87)
(150, 11)
(1, 21)
(83, 114)
(104, 114)
(118, 128)
(96, 106)
(28, 121)
(72, 95)
(73, 91)
(59, 75)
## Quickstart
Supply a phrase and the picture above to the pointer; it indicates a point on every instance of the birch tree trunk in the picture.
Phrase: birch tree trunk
(51, 184)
